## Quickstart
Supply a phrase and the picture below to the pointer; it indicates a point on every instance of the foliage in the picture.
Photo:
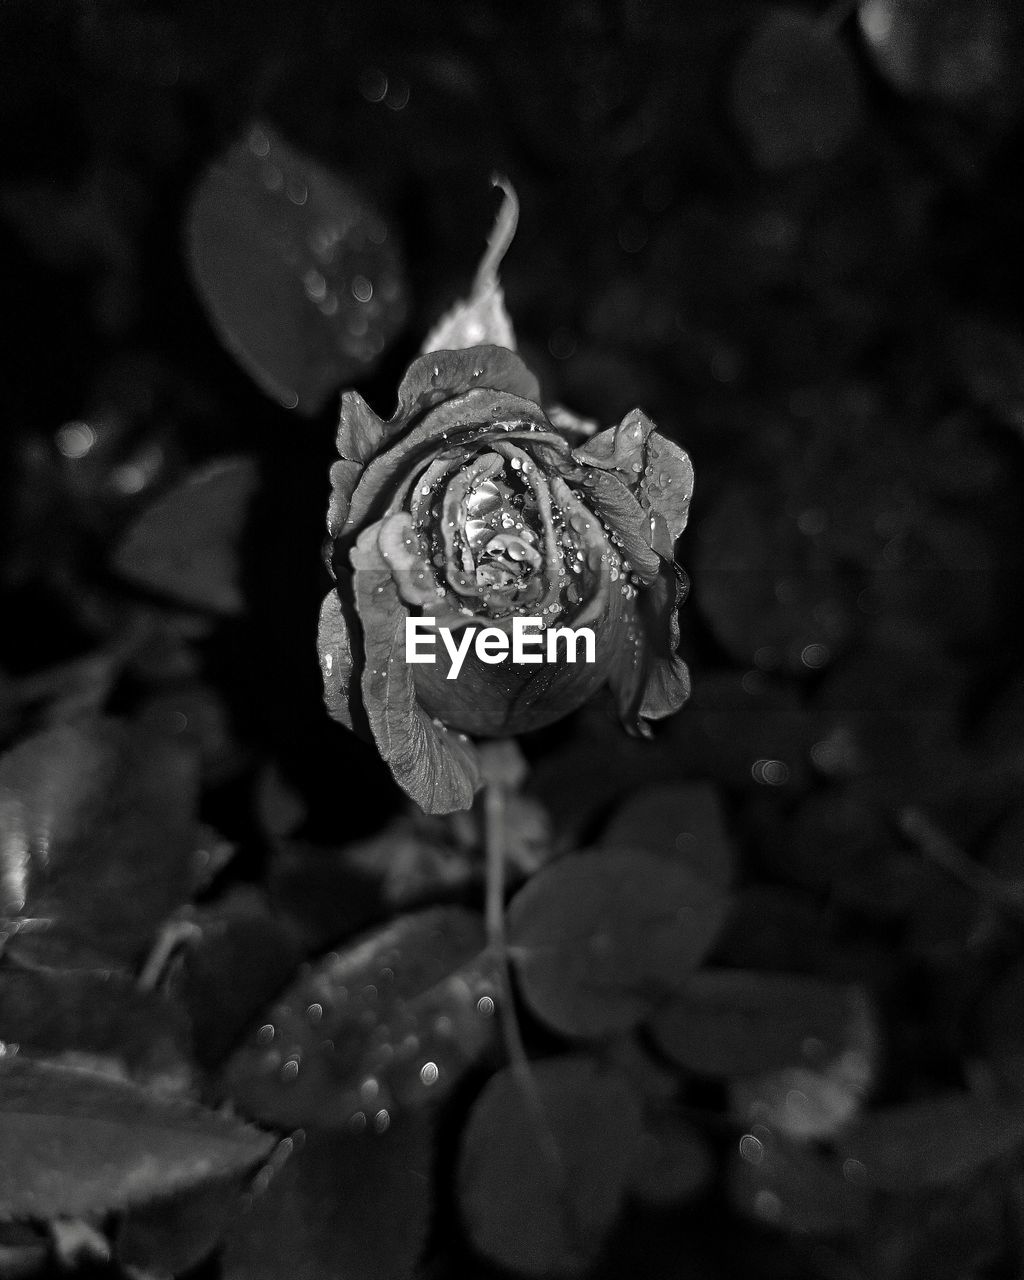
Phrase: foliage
(766, 966)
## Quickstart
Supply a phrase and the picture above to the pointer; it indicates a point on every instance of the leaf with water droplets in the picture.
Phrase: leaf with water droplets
(299, 274)
(545, 1164)
(598, 939)
(937, 1142)
(186, 544)
(74, 1143)
(793, 1187)
(389, 1022)
(342, 1205)
(97, 836)
(481, 318)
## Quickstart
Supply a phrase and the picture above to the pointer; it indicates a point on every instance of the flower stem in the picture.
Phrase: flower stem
(494, 919)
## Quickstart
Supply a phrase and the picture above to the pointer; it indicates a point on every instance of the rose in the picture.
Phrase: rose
(474, 505)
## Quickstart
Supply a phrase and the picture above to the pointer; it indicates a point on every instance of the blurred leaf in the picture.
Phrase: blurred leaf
(389, 1022)
(733, 1022)
(97, 835)
(792, 1187)
(673, 1162)
(542, 1174)
(73, 1143)
(99, 1018)
(342, 1206)
(958, 51)
(677, 820)
(942, 1140)
(298, 273)
(599, 938)
(186, 545)
(174, 1234)
(795, 92)
(990, 363)
(242, 958)
(1002, 1029)
(773, 595)
(23, 1250)
(817, 1098)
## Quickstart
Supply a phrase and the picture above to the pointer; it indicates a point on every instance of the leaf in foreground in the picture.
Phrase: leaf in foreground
(356, 1207)
(97, 835)
(540, 1188)
(390, 1021)
(599, 938)
(73, 1143)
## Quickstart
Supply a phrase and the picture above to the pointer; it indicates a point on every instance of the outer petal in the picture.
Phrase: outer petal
(336, 665)
(344, 478)
(651, 465)
(438, 768)
(360, 431)
(439, 375)
(651, 681)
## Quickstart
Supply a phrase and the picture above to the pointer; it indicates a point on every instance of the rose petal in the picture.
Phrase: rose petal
(440, 375)
(360, 431)
(436, 768)
(336, 664)
(448, 423)
(648, 462)
(344, 478)
(651, 681)
(400, 547)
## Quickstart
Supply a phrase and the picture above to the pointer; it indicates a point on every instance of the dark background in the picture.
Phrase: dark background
(797, 247)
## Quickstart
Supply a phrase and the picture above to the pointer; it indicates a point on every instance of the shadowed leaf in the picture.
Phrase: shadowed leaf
(74, 1143)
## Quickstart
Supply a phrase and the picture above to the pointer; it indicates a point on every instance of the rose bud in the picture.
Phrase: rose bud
(473, 506)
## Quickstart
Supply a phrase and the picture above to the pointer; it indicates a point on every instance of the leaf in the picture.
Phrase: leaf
(356, 1207)
(482, 318)
(937, 1142)
(389, 1023)
(298, 273)
(542, 1175)
(732, 1022)
(173, 1235)
(599, 938)
(73, 1143)
(795, 92)
(242, 958)
(97, 833)
(794, 1188)
(102, 1018)
(673, 1162)
(186, 545)
(676, 819)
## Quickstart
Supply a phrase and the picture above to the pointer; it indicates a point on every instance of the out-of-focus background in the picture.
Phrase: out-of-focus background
(792, 235)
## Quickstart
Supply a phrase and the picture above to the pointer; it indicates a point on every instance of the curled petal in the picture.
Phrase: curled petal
(655, 467)
(344, 478)
(436, 767)
(651, 681)
(400, 548)
(360, 431)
